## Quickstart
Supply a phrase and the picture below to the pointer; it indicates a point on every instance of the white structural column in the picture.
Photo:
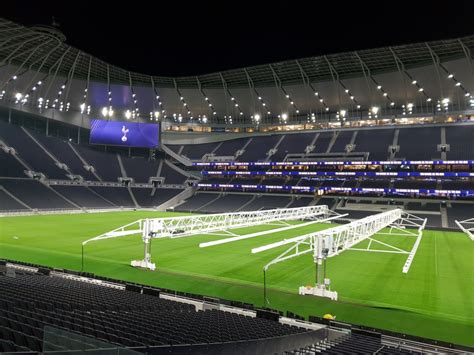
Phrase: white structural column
(174, 227)
(333, 241)
(467, 226)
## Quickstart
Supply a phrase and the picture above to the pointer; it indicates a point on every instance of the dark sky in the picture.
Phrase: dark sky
(179, 38)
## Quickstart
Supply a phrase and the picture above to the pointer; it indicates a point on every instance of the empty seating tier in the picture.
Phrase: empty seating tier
(35, 194)
(172, 176)
(140, 169)
(29, 303)
(30, 152)
(196, 151)
(63, 152)
(258, 148)
(293, 144)
(119, 196)
(230, 148)
(196, 201)
(461, 144)
(419, 143)
(376, 142)
(343, 139)
(106, 164)
(145, 199)
(227, 203)
(83, 196)
(9, 166)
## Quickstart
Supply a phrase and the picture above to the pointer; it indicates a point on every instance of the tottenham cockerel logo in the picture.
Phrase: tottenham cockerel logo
(124, 132)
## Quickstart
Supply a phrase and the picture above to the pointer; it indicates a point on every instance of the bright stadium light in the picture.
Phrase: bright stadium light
(284, 116)
(414, 82)
(18, 96)
(458, 83)
(128, 114)
(379, 87)
(104, 111)
(157, 114)
(257, 117)
(343, 113)
(450, 76)
(375, 109)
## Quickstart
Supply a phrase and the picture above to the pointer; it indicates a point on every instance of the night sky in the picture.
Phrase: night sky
(177, 38)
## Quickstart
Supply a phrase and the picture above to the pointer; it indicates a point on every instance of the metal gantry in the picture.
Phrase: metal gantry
(467, 226)
(331, 242)
(174, 227)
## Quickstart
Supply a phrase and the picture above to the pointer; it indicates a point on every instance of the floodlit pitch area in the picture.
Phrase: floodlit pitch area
(434, 300)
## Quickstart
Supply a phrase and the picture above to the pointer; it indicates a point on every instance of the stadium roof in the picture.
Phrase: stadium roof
(44, 49)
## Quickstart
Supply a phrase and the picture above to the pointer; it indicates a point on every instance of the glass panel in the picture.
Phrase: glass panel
(60, 341)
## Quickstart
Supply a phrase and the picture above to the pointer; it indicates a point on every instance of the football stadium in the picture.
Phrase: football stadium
(316, 205)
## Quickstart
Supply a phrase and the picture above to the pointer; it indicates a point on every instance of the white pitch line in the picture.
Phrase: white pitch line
(252, 235)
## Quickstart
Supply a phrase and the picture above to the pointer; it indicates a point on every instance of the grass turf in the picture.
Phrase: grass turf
(433, 300)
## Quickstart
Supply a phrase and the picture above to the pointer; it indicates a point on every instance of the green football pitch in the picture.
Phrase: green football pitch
(434, 300)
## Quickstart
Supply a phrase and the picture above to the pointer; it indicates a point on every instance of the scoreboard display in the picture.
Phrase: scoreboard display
(124, 133)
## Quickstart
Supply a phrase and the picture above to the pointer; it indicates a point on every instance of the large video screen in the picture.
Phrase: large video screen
(127, 134)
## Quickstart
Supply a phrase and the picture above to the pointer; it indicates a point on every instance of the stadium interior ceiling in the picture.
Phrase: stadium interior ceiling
(427, 82)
